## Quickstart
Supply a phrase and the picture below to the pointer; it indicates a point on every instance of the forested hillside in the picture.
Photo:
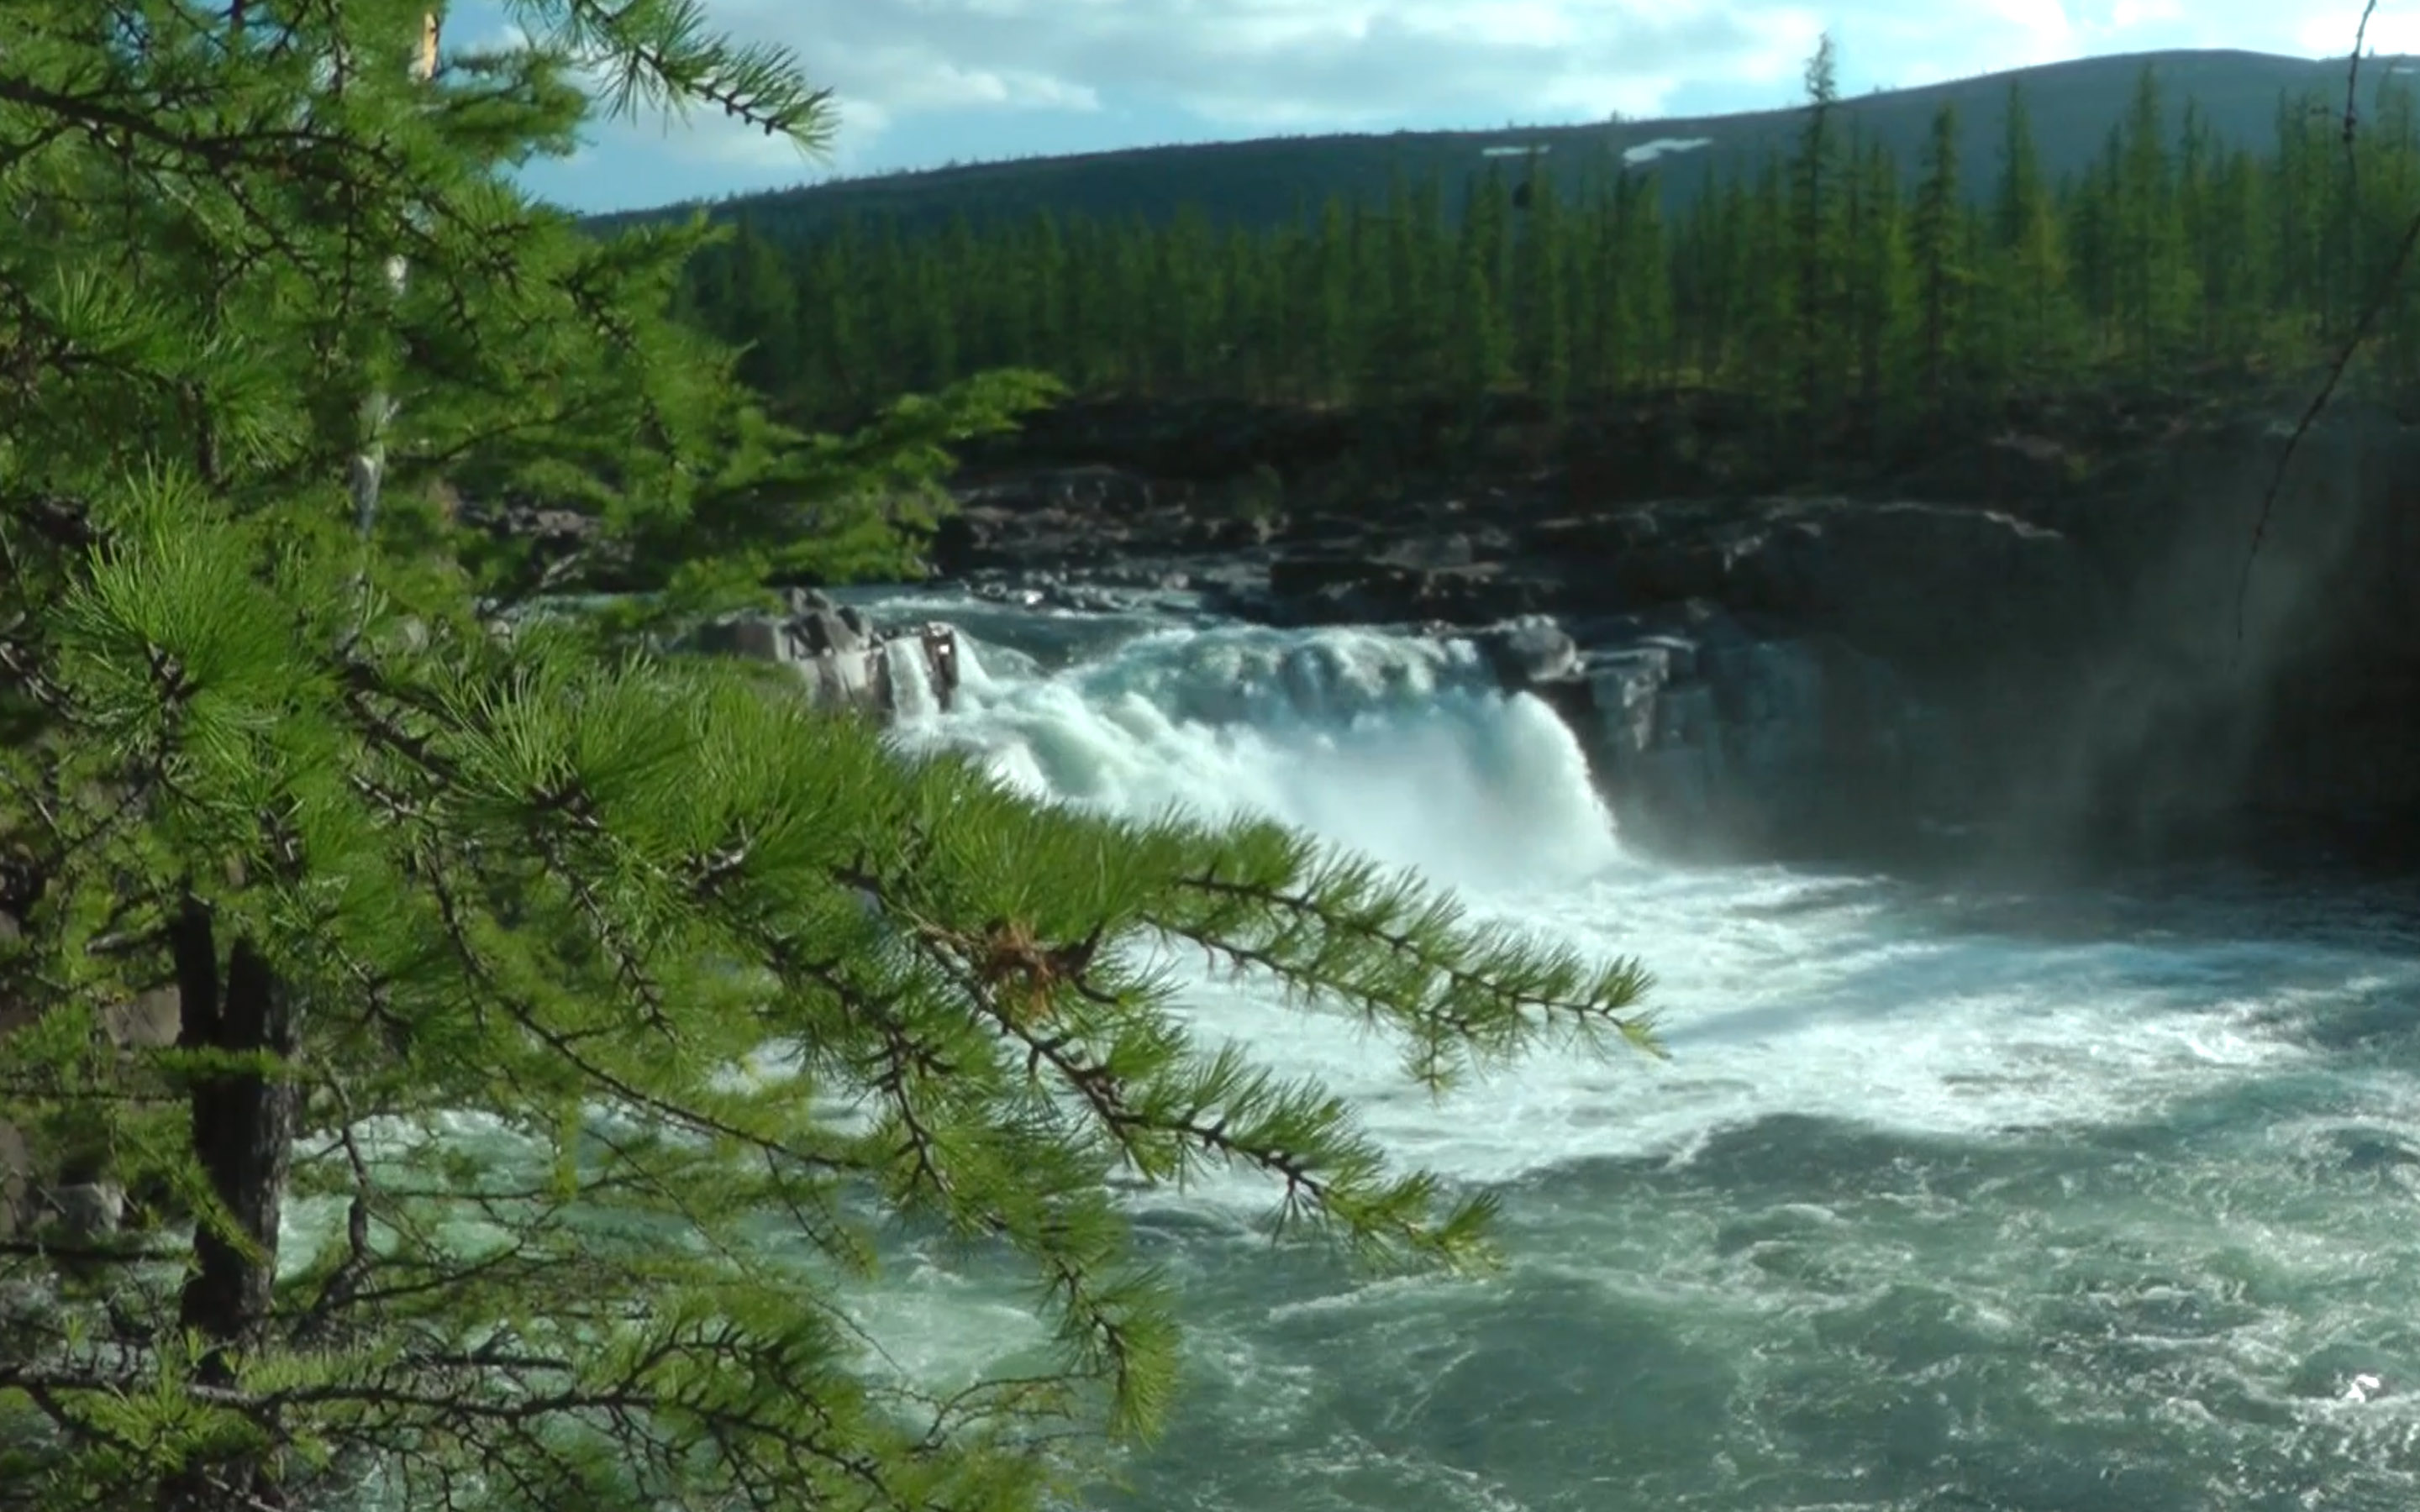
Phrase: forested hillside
(1265, 183)
(1856, 297)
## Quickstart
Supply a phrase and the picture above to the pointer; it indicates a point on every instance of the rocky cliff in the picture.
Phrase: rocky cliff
(842, 660)
(2037, 650)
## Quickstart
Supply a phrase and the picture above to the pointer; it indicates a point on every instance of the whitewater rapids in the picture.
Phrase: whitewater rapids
(1959, 1197)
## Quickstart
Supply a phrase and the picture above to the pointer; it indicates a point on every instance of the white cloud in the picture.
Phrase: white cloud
(1253, 63)
(1108, 73)
(926, 83)
(1256, 64)
(2328, 29)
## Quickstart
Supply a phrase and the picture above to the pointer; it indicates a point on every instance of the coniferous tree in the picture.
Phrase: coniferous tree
(1331, 303)
(1540, 309)
(1880, 295)
(1713, 278)
(1939, 245)
(764, 312)
(1401, 354)
(930, 290)
(2092, 214)
(2167, 246)
(2032, 304)
(1770, 334)
(2155, 282)
(1643, 259)
(2234, 271)
(732, 985)
(2390, 154)
(1814, 222)
(2301, 171)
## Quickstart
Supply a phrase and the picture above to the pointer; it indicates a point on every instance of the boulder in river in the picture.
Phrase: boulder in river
(845, 661)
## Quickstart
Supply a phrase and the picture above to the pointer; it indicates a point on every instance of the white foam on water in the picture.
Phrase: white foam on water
(1778, 992)
(2145, 1150)
(1836, 997)
(1399, 747)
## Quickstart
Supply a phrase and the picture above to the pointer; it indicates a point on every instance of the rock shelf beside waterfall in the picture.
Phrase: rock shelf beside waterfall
(2064, 658)
(845, 661)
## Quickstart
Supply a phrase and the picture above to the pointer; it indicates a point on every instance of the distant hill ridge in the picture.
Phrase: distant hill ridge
(2074, 105)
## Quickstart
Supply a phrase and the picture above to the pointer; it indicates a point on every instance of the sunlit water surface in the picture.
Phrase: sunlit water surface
(1948, 1199)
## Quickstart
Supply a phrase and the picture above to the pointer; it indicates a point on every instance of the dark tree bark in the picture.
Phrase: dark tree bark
(244, 1135)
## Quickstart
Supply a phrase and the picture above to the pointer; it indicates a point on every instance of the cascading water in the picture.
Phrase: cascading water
(1948, 1200)
(1397, 746)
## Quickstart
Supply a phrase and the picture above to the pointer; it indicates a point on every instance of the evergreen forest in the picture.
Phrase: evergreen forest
(1858, 300)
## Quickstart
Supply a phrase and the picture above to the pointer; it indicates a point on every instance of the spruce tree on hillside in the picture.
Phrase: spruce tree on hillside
(1939, 249)
(1539, 303)
(1480, 342)
(2157, 250)
(764, 314)
(1771, 351)
(2392, 167)
(1328, 330)
(1880, 295)
(730, 987)
(1815, 172)
(2032, 304)
(2155, 282)
(2304, 165)
(1641, 268)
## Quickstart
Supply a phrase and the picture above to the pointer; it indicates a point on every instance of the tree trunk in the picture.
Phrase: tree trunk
(243, 1135)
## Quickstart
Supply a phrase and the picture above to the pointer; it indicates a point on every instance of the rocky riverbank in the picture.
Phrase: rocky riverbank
(2054, 653)
(2003, 651)
(843, 660)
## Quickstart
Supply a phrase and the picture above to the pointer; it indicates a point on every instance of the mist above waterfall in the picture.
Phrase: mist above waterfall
(2247, 661)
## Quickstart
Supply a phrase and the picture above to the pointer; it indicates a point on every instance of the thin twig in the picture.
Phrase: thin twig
(2368, 318)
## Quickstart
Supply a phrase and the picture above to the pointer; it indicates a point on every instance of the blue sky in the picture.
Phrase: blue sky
(921, 83)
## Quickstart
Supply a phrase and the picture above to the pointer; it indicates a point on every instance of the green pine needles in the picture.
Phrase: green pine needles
(559, 1030)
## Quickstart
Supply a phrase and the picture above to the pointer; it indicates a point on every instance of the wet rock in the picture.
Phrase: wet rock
(1707, 736)
(1329, 589)
(842, 662)
(822, 632)
(1528, 652)
(2036, 638)
(2007, 472)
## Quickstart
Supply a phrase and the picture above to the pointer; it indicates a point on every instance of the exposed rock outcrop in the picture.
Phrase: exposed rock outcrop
(2034, 645)
(843, 661)
(1707, 736)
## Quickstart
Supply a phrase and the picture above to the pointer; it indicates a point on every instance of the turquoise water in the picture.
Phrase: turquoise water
(1950, 1197)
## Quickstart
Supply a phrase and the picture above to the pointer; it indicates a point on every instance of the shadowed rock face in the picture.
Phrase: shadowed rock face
(2068, 664)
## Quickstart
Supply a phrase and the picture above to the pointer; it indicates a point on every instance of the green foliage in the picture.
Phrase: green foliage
(1940, 233)
(729, 989)
(1837, 277)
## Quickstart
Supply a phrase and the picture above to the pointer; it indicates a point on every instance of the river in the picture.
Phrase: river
(1951, 1195)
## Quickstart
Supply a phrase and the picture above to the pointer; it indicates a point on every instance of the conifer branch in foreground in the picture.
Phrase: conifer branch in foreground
(563, 1031)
